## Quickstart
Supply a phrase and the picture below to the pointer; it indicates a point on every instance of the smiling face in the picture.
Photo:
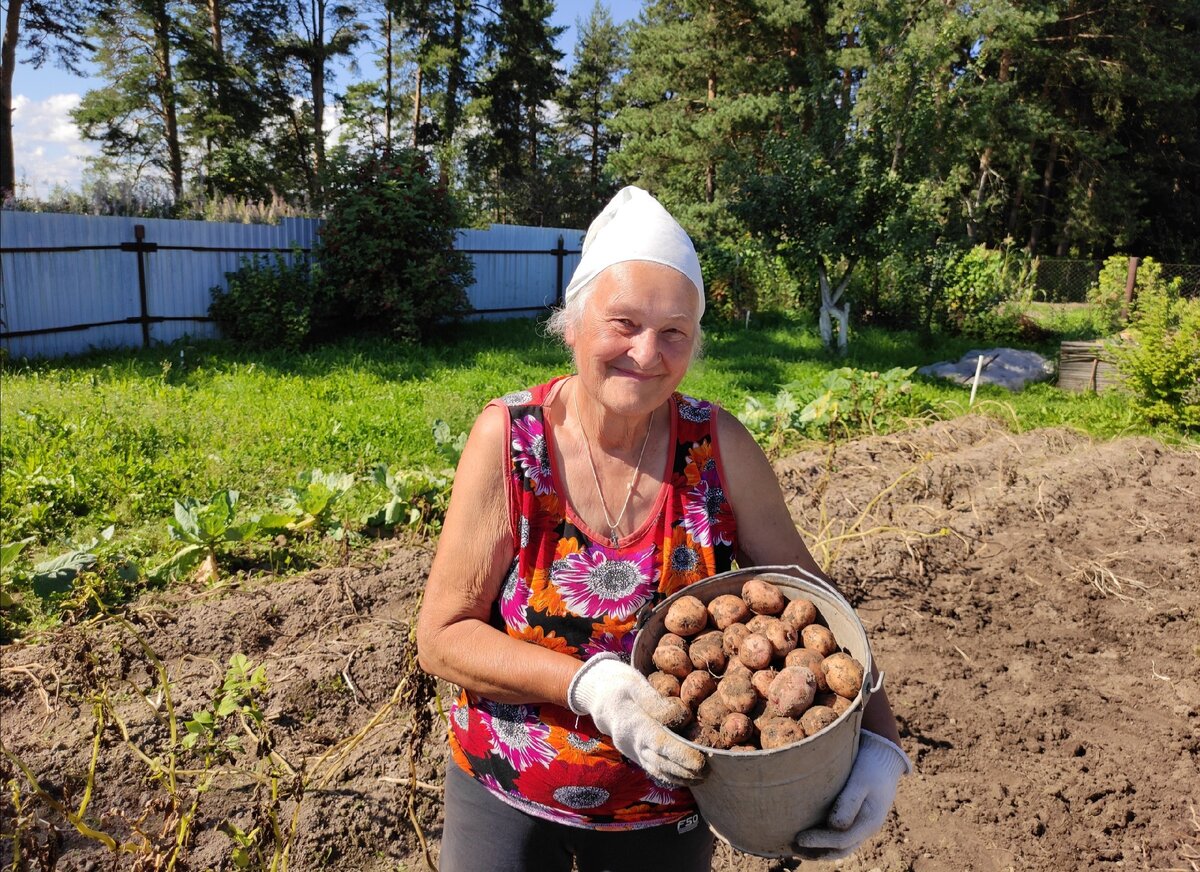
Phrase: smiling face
(634, 341)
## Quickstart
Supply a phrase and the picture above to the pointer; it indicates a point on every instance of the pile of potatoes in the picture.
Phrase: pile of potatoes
(751, 672)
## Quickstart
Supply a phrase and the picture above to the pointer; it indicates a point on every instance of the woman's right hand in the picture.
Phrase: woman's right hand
(623, 705)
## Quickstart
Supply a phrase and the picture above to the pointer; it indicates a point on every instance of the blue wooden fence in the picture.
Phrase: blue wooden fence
(73, 283)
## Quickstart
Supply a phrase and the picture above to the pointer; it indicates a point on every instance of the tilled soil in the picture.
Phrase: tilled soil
(1034, 600)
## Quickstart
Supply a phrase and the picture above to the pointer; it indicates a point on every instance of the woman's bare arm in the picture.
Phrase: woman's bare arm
(767, 535)
(454, 639)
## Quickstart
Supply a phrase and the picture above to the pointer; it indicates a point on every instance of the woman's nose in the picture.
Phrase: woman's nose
(644, 350)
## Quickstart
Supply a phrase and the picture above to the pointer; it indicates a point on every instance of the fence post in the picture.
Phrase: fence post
(1130, 283)
(559, 252)
(140, 247)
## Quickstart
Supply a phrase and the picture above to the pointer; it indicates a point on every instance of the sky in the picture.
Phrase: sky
(49, 151)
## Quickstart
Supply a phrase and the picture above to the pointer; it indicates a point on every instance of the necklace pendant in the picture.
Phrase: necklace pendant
(613, 538)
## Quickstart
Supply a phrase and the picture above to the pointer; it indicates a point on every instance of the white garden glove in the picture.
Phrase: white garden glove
(863, 805)
(623, 705)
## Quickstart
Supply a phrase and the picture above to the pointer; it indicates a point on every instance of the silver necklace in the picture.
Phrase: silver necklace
(612, 525)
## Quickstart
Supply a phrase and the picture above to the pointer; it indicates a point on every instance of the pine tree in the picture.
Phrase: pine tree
(517, 80)
(45, 28)
(589, 102)
(135, 117)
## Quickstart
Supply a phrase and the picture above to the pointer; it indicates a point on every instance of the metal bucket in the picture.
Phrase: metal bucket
(758, 800)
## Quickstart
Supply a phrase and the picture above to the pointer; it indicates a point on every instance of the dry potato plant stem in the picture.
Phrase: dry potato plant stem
(1096, 573)
(164, 766)
(827, 545)
(75, 817)
(412, 810)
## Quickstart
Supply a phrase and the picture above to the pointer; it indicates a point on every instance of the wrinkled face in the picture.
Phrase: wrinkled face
(634, 341)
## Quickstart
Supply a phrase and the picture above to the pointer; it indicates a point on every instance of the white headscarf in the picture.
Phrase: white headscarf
(635, 226)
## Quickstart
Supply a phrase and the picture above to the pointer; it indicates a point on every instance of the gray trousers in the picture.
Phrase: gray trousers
(484, 834)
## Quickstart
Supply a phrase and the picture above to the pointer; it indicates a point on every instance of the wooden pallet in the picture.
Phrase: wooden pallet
(1086, 366)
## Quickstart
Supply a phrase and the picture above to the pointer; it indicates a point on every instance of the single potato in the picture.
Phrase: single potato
(843, 674)
(726, 610)
(762, 597)
(819, 639)
(792, 691)
(686, 616)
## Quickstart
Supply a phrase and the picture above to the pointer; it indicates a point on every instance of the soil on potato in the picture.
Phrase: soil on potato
(1034, 600)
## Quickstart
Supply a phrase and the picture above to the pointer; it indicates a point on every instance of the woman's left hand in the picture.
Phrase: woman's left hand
(862, 806)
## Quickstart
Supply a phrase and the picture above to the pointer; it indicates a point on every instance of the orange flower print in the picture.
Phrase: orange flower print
(683, 561)
(611, 626)
(538, 636)
(544, 596)
(567, 545)
(699, 461)
(550, 503)
(575, 738)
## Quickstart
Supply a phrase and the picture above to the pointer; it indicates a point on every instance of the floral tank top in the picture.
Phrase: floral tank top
(571, 590)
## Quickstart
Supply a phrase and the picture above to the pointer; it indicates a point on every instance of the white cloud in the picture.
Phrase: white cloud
(48, 150)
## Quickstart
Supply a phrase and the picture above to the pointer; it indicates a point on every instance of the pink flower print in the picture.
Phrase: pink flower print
(596, 582)
(622, 645)
(517, 735)
(705, 515)
(660, 792)
(533, 454)
(514, 598)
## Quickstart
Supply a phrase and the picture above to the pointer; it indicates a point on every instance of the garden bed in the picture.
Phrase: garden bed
(1030, 597)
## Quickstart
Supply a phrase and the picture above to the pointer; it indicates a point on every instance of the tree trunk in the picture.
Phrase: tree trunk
(416, 105)
(1035, 230)
(594, 162)
(831, 311)
(710, 169)
(166, 92)
(218, 47)
(985, 160)
(454, 83)
(387, 89)
(316, 70)
(8, 60)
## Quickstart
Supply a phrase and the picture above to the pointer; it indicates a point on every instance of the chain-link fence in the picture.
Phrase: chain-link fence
(1066, 280)
(1187, 273)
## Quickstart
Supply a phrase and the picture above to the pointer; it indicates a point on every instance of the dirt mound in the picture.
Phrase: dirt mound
(1034, 600)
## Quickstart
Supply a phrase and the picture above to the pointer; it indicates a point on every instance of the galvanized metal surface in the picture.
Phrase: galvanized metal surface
(77, 274)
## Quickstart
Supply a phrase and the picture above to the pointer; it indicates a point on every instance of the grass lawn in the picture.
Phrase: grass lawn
(114, 438)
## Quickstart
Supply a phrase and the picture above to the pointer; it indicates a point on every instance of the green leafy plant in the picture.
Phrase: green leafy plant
(448, 445)
(417, 499)
(240, 692)
(312, 500)
(208, 528)
(853, 401)
(771, 425)
(975, 284)
(270, 304)
(9, 573)
(1107, 295)
(1160, 360)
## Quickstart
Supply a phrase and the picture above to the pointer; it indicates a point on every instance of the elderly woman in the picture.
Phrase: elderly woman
(576, 503)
